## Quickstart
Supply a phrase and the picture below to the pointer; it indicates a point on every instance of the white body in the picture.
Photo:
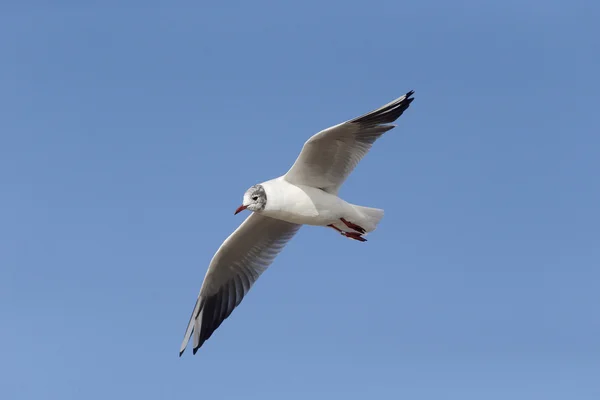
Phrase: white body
(306, 205)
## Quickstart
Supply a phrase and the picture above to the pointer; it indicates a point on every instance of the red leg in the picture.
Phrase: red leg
(336, 228)
(351, 235)
(355, 236)
(351, 225)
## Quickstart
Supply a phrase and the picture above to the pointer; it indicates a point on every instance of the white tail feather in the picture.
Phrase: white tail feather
(371, 217)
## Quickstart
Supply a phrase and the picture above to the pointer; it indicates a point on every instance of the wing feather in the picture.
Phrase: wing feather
(238, 263)
(328, 157)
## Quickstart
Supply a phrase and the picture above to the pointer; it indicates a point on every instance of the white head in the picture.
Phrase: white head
(255, 199)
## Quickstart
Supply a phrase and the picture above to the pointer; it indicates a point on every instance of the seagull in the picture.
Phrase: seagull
(305, 195)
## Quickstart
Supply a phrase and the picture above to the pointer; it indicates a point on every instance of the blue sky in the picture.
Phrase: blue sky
(130, 132)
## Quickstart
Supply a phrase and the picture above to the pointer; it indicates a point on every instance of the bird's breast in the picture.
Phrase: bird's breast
(301, 204)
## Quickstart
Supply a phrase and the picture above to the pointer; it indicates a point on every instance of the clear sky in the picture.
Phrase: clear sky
(128, 134)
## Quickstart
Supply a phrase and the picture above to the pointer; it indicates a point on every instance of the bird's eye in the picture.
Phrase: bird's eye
(254, 198)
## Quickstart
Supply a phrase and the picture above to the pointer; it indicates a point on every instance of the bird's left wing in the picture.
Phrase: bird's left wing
(329, 156)
(238, 263)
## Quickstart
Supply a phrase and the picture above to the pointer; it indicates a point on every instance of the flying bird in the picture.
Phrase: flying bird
(305, 195)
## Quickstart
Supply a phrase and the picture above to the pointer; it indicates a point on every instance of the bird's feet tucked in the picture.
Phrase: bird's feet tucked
(355, 236)
(351, 235)
(351, 225)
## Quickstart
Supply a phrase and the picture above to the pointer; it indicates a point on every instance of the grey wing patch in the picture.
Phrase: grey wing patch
(230, 279)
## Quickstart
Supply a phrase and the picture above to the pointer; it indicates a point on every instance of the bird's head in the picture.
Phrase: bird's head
(255, 199)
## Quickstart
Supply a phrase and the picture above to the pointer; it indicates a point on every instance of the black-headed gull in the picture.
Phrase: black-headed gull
(305, 195)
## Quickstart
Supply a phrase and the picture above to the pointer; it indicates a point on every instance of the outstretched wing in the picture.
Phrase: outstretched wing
(328, 157)
(238, 263)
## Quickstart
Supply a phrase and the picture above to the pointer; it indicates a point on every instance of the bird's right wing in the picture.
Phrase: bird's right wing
(238, 263)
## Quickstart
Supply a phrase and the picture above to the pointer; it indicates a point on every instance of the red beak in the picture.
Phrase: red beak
(240, 209)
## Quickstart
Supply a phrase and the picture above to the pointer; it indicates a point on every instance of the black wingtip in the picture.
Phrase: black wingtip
(181, 352)
(407, 97)
(195, 350)
(387, 113)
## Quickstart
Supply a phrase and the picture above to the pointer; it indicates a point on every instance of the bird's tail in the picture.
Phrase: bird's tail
(371, 217)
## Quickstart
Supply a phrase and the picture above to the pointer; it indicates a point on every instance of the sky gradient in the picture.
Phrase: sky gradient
(130, 133)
